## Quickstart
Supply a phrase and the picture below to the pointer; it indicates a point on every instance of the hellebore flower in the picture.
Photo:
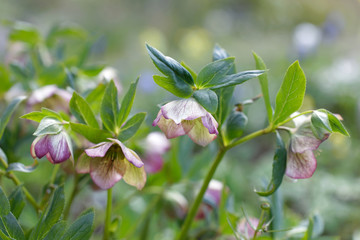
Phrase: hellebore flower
(247, 229)
(109, 162)
(156, 144)
(301, 161)
(51, 97)
(211, 199)
(56, 147)
(188, 117)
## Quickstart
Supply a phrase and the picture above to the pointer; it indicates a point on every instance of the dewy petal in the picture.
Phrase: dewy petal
(58, 147)
(103, 172)
(39, 147)
(99, 150)
(135, 176)
(170, 128)
(129, 154)
(199, 133)
(83, 163)
(185, 109)
(300, 165)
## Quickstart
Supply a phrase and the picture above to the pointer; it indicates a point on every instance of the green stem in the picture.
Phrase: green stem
(289, 119)
(194, 208)
(260, 224)
(108, 215)
(250, 136)
(17, 182)
(53, 174)
(72, 196)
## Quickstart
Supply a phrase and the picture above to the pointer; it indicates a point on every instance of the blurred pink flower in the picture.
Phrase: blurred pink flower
(247, 229)
(109, 162)
(49, 96)
(187, 116)
(211, 199)
(156, 144)
(301, 161)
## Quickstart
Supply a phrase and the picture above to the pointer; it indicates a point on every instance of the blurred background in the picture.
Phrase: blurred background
(323, 34)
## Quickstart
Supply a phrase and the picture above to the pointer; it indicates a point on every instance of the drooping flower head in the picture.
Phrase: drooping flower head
(109, 162)
(156, 144)
(52, 141)
(187, 116)
(301, 161)
(56, 147)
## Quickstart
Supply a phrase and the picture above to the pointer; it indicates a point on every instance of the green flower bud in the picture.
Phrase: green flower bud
(234, 125)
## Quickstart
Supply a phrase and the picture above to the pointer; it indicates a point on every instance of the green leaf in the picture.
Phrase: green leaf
(19, 167)
(207, 98)
(4, 203)
(213, 72)
(67, 31)
(19, 71)
(177, 76)
(94, 135)
(235, 79)
(279, 167)
(51, 216)
(4, 79)
(48, 125)
(56, 232)
(263, 79)
(95, 96)
(234, 126)
(336, 124)
(91, 71)
(320, 123)
(3, 157)
(191, 71)
(8, 112)
(291, 94)
(38, 116)
(82, 228)
(110, 107)
(54, 74)
(25, 32)
(17, 201)
(127, 103)
(224, 94)
(309, 231)
(12, 227)
(82, 111)
(179, 90)
(131, 126)
(169, 66)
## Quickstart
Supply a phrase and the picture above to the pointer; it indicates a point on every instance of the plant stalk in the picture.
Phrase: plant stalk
(108, 215)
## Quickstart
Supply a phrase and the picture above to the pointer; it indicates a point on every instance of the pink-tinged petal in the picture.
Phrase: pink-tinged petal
(210, 123)
(185, 109)
(104, 173)
(153, 163)
(135, 176)
(248, 229)
(300, 165)
(170, 128)
(99, 150)
(156, 143)
(214, 191)
(300, 144)
(58, 147)
(49, 158)
(83, 163)
(129, 154)
(199, 133)
(157, 119)
(42, 146)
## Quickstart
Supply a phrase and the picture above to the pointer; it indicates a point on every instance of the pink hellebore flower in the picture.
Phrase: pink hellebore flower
(301, 161)
(108, 162)
(56, 147)
(187, 116)
(156, 144)
(248, 229)
(212, 198)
